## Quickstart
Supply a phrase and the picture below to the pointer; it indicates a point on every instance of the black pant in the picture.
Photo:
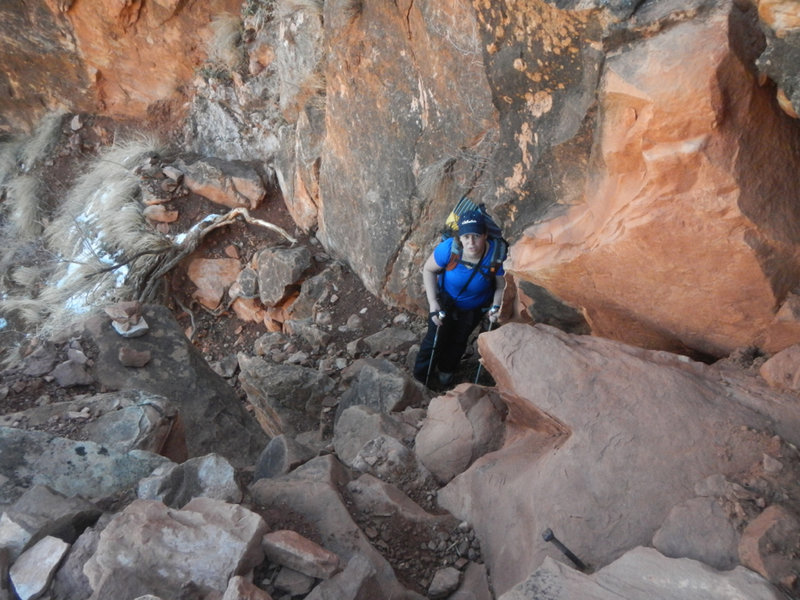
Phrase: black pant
(452, 341)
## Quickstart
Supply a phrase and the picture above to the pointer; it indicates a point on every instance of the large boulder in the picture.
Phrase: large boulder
(643, 573)
(438, 104)
(151, 549)
(71, 468)
(598, 445)
(211, 413)
(680, 238)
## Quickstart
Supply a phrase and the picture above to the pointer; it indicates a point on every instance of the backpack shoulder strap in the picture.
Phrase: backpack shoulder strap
(455, 255)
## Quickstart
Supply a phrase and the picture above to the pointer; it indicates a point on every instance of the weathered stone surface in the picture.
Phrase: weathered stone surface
(382, 386)
(70, 581)
(297, 165)
(290, 549)
(780, 21)
(128, 357)
(700, 529)
(70, 373)
(211, 414)
(293, 583)
(375, 497)
(287, 398)
(239, 588)
(390, 460)
(304, 328)
(41, 512)
(282, 454)
(128, 419)
(316, 290)
(431, 46)
(624, 411)
(149, 548)
(358, 581)
(202, 477)
(642, 573)
(782, 371)
(390, 339)
(769, 544)
(702, 260)
(212, 277)
(40, 361)
(360, 424)
(474, 585)
(34, 569)
(445, 581)
(92, 57)
(229, 183)
(72, 468)
(312, 491)
(159, 214)
(279, 268)
(461, 426)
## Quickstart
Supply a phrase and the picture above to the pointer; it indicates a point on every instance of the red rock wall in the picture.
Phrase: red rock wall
(124, 58)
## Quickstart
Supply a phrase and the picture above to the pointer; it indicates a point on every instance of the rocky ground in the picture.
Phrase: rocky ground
(347, 315)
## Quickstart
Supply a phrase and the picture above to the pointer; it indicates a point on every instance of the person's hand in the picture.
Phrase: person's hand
(494, 314)
(437, 317)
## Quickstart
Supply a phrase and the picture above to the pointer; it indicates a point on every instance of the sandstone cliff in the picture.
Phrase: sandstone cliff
(641, 155)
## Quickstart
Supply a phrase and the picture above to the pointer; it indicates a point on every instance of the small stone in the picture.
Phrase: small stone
(159, 214)
(131, 331)
(297, 358)
(133, 358)
(445, 582)
(77, 356)
(772, 464)
(172, 173)
(293, 583)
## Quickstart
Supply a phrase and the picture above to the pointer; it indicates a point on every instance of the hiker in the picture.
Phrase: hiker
(460, 287)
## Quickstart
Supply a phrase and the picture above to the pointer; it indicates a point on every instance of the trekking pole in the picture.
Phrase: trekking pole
(549, 536)
(441, 316)
(480, 364)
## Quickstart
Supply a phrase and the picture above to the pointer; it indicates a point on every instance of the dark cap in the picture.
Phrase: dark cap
(472, 222)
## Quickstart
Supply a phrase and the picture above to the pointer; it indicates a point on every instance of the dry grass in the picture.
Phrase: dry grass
(39, 145)
(26, 276)
(97, 233)
(24, 206)
(225, 46)
(29, 310)
(8, 160)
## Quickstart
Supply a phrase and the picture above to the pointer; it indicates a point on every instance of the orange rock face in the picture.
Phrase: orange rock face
(678, 242)
(140, 53)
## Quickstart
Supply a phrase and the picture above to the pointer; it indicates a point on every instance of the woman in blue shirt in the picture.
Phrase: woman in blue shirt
(460, 287)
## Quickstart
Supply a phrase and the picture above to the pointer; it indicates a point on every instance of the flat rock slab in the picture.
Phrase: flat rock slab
(610, 480)
(643, 573)
(72, 468)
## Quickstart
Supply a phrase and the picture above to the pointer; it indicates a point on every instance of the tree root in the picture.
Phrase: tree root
(155, 266)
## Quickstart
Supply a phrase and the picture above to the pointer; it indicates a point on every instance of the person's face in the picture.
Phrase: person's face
(473, 243)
